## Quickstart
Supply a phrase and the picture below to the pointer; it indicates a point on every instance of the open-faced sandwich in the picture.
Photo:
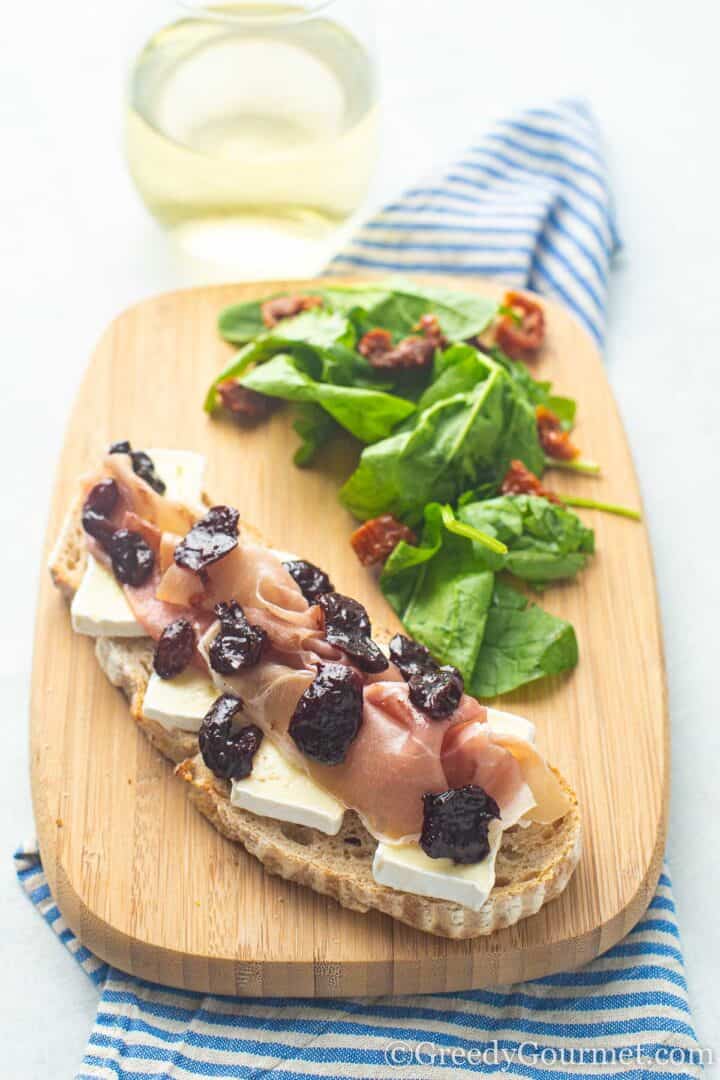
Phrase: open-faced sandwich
(362, 771)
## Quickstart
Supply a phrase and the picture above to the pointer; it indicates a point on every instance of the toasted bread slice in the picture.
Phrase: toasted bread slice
(534, 864)
(127, 662)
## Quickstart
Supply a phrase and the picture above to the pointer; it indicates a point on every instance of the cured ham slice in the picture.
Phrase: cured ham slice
(136, 495)
(399, 754)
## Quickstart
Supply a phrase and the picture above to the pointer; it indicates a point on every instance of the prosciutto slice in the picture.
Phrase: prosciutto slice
(399, 753)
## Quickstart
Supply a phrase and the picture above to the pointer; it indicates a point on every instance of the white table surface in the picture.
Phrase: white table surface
(77, 247)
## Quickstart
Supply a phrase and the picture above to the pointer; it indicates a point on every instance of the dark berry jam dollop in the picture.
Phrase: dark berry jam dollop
(103, 497)
(228, 754)
(239, 644)
(329, 714)
(347, 625)
(437, 692)
(313, 581)
(455, 824)
(97, 508)
(143, 465)
(175, 649)
(132, 559)
(97, 526)
(210, 539)
(410, 657)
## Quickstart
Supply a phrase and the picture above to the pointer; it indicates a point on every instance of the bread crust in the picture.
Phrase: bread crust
(533, 866)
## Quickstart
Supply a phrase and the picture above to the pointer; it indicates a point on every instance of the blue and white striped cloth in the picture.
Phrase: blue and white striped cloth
(529, 204)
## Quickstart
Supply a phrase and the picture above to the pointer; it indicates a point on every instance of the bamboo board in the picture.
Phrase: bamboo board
(151, 887)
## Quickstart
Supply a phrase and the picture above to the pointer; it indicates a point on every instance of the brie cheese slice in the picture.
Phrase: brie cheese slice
(406, 867)
(276, 789)
(99, 607)
(181, 702)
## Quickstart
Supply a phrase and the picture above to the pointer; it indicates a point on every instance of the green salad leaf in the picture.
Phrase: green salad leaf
(241, 322)
(522, 643)
(315, 428)
(447, 596)
(367, 414)
(441, 592)
(469, 424)
(400, 305)
(545, 542)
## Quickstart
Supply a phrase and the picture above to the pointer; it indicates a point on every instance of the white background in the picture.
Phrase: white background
(77, 247)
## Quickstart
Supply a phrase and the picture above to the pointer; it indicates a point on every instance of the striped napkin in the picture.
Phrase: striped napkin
(529, 204)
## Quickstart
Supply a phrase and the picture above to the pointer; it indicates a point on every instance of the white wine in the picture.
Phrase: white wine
(252, 135)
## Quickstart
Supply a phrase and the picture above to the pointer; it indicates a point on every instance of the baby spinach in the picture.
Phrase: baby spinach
(367, 414)
(468, 426)
(545, 542)
(441, 592)
(315, 428)
(447, 596)
(521, 643)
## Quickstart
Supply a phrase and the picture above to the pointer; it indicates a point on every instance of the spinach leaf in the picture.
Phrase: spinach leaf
(470, 423)
(367, 414)
(306, 336)
(441, 592)
(534, 391)
(522, 643)
(401, 306)
(447, 596)
(315, 428)
(241, 322)
(545, 542)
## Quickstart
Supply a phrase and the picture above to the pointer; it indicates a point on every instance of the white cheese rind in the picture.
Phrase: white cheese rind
(505, 723)
(100, 608)
(407, 868)
(180, 702)
(183, 472)
(276, 789)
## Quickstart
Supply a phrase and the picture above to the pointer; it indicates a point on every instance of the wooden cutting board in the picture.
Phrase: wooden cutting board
(150, 886)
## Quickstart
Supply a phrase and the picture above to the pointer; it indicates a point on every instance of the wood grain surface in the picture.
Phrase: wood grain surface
(150, 886)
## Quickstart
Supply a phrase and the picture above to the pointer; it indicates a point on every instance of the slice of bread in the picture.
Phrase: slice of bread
(534, 864)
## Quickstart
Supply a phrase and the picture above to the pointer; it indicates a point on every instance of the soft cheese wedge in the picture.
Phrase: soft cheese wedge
(99, 607)
(180, 703)
(276, 789)
(408, 868)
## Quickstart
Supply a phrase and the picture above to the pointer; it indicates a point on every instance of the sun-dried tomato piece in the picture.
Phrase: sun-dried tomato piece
(412, 352)
(521, 342)
(455, 824)
(375, 343)
(284, 307)
(209, 539)
(377, 538)
(241, 401)
(429, 327)
(555, 441)
(518, 480)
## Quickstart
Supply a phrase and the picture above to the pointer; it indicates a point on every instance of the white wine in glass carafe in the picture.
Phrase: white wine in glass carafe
(251, 131)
